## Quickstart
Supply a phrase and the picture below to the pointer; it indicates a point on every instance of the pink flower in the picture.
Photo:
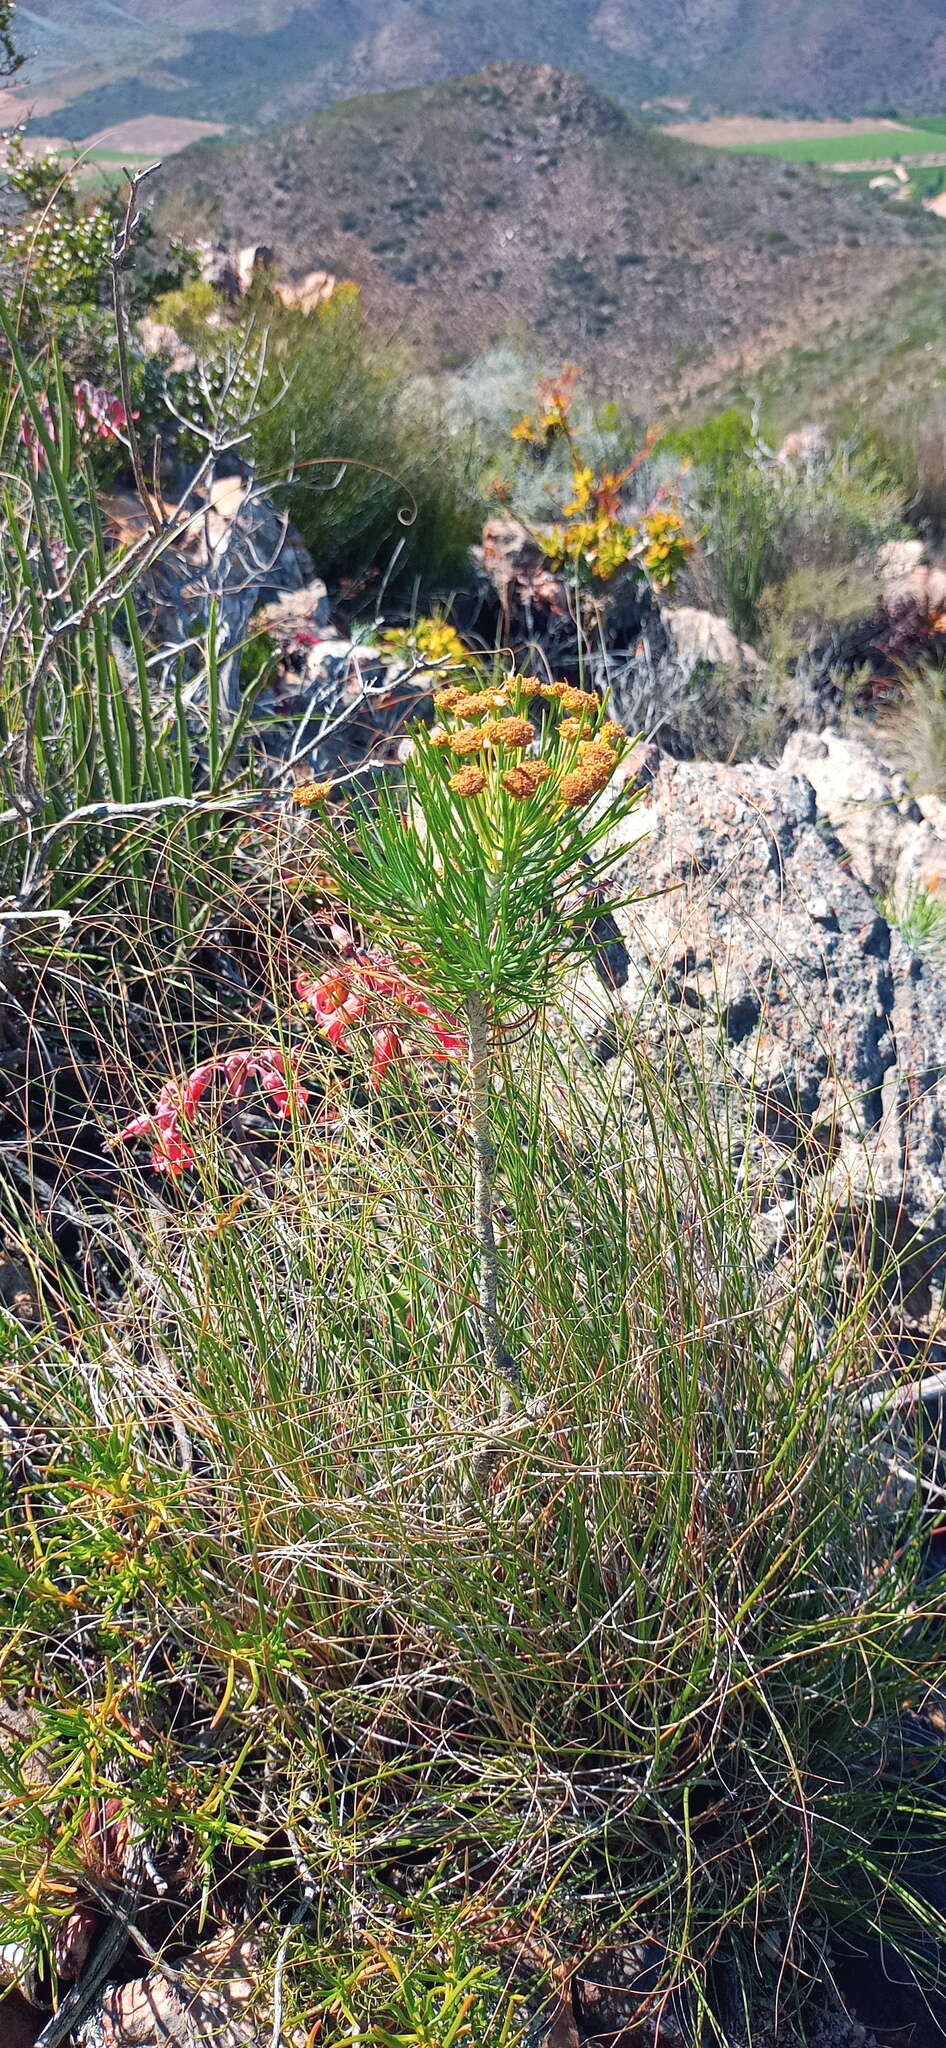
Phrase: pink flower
(99, 413)
(177, 1105)
(341, 997)
(386, 1046)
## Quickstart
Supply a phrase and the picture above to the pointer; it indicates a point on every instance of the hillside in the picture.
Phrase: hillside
(520, 200)
(250, 62)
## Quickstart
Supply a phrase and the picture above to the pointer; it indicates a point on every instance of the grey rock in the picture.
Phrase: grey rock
(701, 636)
(756, 959)
(864, 800)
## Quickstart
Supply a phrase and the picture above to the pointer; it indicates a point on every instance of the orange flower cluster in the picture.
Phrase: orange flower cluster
(509, 732)
(468, 782)
(596, 746)
(480, 703)
(581, 703)
(468, 742)
(595, 768)
(523, 780)
(308, 794)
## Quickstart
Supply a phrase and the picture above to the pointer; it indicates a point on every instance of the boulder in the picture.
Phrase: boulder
(807, 449)
(229, 549)
(864, 800)
(308, 292)
(699, 636)
(909, 583)
(754, 957)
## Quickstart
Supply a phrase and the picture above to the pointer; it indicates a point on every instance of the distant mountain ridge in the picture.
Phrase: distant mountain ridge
(253, 62)
(520, 200)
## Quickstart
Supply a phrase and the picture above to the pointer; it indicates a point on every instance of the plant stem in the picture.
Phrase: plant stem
(501, 1365)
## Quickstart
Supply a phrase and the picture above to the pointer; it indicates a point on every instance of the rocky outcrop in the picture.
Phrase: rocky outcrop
(895, 842)
(757, 959)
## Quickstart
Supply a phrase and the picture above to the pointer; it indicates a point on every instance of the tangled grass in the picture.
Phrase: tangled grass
(651, 1681)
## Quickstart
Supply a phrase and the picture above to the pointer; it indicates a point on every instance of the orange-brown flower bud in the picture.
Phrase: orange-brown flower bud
(509, 732)
(470, 742)
(468, 782)
(308, 794)
(581, 702)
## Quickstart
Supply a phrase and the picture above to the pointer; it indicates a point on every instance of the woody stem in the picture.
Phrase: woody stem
(503, 1368)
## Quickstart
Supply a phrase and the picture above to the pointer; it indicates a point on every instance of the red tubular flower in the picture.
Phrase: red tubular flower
(386, 1046)
(177, 1106)
(340, 997)
(335, 1002)
(99, 412)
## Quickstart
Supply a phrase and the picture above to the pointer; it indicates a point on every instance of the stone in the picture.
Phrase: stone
(700, 636)
(865, 801)
(755, 957)
(303, 296)
(296, 612)
(808, 448)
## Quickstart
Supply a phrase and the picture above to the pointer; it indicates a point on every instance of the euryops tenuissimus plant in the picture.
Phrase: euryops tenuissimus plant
(482, 880)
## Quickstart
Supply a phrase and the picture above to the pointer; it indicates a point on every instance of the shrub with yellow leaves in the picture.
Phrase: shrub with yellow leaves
(596, 539)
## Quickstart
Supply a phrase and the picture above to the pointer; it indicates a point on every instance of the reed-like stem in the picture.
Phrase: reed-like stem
(502, 1366)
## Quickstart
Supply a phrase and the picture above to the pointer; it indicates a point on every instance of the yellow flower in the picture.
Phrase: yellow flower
(582, 481)
(524, 429)
(438, 641)
(448, 700)
(612, 733)
(573, 728)
(523, 780)
(468, 782)
(308, 794)
(509, 732)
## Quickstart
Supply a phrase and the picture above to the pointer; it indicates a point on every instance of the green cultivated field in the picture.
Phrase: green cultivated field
(839, 149)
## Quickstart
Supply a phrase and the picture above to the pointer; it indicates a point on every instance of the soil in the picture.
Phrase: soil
(733, 131)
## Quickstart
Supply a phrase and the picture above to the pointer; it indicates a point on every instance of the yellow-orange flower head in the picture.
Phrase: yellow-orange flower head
(468, 782)
(514, 733)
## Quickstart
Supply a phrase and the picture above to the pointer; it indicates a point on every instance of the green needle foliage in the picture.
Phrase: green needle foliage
(486, 870)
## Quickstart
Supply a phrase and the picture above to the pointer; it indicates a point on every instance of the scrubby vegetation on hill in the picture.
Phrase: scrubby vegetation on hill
(471, 1208)
(465, 211)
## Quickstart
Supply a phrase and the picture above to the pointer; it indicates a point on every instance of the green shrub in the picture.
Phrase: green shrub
(921, 917)
(378, 485)
(766, 521)
(101, 820)
(648, 1683)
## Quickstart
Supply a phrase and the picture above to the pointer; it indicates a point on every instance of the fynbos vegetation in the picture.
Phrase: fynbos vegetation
(472, 1274)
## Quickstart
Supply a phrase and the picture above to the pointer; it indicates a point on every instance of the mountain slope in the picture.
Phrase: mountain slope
(521, 200)
(255, 61)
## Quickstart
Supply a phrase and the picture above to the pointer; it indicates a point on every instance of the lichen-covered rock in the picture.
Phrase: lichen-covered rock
(864, 800)
(756, 959)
